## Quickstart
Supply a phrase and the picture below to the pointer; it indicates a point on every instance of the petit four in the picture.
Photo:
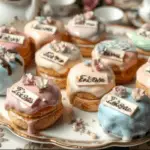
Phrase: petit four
(13, 39)
(121, 56)
(85, 32)
(44, 30)
(33, 103)
(11, 68)
(55, 60)
(125, 113)
(143, 77)
(87, 82)
(141, 39)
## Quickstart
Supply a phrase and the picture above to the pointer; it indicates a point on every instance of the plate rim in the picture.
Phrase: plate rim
(72, 144)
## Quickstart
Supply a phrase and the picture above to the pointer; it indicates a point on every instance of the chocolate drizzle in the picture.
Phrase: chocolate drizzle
(45, 20)
(5, 61)
(6, 66)
(18, 61)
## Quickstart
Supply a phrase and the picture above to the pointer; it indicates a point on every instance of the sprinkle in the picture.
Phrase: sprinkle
(137, 94)
(63, 47)
(93, 120)
(80, 126)
(44, 100)
(120, 91)
(147, 69)
(63, 98)
(93, 135)
(79, 19)
(87, 63)
(143, 32)
(98, 65)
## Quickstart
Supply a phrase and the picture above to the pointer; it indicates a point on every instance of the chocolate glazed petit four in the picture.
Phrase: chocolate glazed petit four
(87, 82)
(121, 56)
(44, 30)
(125, 113)
(11, 68)
(13, 39)
(34, 103)
(56, 59)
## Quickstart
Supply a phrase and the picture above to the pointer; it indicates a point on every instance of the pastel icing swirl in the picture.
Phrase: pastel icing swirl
(91, 34)
(64, 48)
(49, 96)
(86, 68)
(11, 68)
(129, 58)
(122, 125)
(141, 37)
(116, 44)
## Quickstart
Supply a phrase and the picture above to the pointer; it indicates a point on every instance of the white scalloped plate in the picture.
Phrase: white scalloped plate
(61, 134)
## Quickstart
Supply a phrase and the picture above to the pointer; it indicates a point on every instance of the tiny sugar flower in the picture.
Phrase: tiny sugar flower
(89, 15)
(10, 57)
(137, 94)
(120, 91)
(98, 65)
(87, 63)
(12, 30)
(28, 79)
(41, 83)
(49, 20)
(79, 19)
(44, 20)
(40, 19)
(62, 47)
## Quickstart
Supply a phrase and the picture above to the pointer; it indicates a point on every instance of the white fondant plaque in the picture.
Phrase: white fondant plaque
(24, 95)
(48, 28)
(88, 24)
(12, 38)
(55, 57)
(120, 105)
(115, 54)
(92, 79)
